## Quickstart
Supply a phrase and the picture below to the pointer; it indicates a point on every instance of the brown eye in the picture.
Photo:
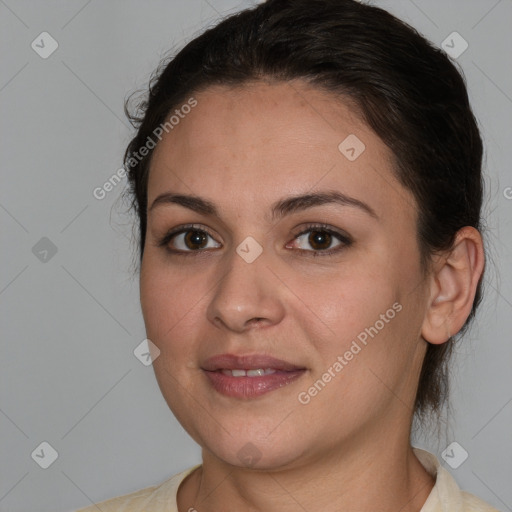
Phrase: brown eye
(320, 240)
(188, 240)
(317, 240)
(195, 239)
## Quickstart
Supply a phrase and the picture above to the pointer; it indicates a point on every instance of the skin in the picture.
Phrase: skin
(243, 149)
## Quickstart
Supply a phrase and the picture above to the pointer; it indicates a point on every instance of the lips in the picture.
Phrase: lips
(249, 376)
(249, 362)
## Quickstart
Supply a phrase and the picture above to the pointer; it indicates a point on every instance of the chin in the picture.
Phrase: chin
(253, 449)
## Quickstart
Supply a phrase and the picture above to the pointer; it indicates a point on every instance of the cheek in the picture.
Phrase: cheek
(365, 310)
(169, 299)
(347, 301)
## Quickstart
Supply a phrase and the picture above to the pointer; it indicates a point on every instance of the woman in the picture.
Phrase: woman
(307, 176)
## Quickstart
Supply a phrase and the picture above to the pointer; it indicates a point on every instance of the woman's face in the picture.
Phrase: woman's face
(329, 285)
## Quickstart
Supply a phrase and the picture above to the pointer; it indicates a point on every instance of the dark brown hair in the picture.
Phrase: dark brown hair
(407, 91)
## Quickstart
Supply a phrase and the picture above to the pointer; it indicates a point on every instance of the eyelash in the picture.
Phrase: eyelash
(322, 228)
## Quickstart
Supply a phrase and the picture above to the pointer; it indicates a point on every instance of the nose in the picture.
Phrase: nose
(248, 295)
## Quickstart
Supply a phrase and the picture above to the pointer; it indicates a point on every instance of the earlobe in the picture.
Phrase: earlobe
(454, 282)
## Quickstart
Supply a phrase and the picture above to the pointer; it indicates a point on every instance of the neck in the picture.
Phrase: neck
(386, 476)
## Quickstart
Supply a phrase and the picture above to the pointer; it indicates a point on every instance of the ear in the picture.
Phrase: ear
(453, 285)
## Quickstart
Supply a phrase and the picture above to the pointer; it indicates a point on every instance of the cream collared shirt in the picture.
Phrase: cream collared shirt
(446, 496)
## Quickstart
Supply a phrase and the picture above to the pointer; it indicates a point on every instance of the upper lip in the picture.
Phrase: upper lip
(247, 362)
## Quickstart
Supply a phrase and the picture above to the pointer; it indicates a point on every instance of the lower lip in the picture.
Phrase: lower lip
(251, 387)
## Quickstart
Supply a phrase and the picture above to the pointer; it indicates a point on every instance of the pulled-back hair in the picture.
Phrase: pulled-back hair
(406, 90)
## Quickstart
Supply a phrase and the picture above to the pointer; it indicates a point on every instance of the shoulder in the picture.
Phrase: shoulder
(150, 499)
(446, 495)
(127, 503)
(472, 503)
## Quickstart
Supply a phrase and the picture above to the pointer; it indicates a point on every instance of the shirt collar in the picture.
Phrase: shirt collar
(446, 495)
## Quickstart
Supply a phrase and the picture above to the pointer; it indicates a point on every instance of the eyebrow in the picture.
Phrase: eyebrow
(281, 208)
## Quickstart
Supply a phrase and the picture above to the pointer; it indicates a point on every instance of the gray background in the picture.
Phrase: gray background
(70, 323)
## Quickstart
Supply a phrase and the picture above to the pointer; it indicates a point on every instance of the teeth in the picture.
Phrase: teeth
(260, 372)
(255, 373)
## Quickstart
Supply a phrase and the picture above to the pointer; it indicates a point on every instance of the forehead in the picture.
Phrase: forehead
(274, 138)
(278, 111)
